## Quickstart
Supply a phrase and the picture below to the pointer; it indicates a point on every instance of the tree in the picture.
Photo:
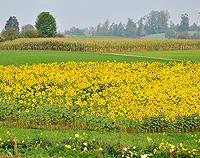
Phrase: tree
(10, 33)
(156, 22)
(76, 31)
(46, 25)
(12, 22)
(99, 30)
(105, 28)
(140, 29)
(194, 27)
(120, 30)
(11, 30)
(2, 38)
(131, 29)
(184, 25)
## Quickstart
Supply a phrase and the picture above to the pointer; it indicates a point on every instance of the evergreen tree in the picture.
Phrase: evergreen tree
(46, 25)
(156, 22)
(131, 29)
(12, 22)
(140, 29)
(120, 30)
(11, 30)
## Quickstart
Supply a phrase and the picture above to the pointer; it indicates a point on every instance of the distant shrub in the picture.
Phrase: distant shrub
(2, 38)
(183, 35)
(10, 33)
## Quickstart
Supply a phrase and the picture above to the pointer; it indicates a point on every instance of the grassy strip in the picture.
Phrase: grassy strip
(185, 55)
(36, 57)
(61, 143)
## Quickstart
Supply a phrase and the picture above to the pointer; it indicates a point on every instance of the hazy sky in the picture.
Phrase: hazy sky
(84, 13)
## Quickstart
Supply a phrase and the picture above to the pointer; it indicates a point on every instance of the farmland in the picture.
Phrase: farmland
(99, 44)
(142, 87)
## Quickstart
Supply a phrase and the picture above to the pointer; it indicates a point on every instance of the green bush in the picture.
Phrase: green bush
(2, 38)
(10, 34)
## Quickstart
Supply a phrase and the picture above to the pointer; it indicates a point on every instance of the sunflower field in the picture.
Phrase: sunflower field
(147, 96)
(99, 44)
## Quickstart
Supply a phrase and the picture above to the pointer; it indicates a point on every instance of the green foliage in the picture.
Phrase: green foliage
(156, 22)
(28, 31)
(11, 30)
(29, 34)
(10, 33)
(74, 118)
(184, 26)
(79, 145)
(131, 29)
(140, 29)
(46, 25)
(12, 22)
(2, 38)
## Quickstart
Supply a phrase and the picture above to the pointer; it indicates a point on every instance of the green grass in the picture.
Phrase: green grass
(50, 143)
(185, 55)
(35, 57)
(108, 137)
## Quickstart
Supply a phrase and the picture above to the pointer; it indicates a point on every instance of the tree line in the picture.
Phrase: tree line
(45, 26)
(155, 22)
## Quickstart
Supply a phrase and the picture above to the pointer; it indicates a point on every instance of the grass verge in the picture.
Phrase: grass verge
(20, 142)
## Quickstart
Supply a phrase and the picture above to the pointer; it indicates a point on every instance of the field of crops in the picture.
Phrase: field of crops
(99, 44)
(157, 95)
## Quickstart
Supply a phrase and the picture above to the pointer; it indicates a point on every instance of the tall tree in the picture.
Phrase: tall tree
(120, 30)
(99, 30)
(46, 25)
(12, 22)
(105, 28)
(11, 30)
(131, 29)
(194, 27)
(184, 25)
(156, 22)
(140, 29)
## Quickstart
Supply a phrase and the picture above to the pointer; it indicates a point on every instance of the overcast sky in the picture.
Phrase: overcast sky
(85, 13)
